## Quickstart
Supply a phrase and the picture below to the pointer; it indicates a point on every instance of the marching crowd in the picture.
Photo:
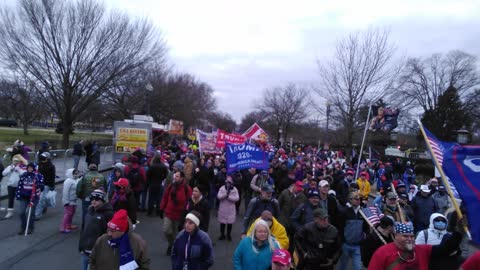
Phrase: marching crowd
(311, 209)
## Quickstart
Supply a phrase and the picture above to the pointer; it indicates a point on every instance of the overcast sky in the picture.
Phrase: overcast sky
(243, 47)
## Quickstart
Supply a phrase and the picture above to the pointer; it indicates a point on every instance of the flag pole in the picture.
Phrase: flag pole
(373, 227)
(363, 141)
(444, 178)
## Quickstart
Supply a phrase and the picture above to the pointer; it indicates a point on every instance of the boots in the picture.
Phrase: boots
(9, 213)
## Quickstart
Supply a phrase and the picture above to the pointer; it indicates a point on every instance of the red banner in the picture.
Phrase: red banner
(224, 137)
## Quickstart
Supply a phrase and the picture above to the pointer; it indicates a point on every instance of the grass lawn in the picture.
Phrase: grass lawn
(9, 135)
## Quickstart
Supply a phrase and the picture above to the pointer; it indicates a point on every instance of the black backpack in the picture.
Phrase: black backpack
(134, 178)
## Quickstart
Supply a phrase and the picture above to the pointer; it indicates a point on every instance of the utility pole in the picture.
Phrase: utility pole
(328, 104)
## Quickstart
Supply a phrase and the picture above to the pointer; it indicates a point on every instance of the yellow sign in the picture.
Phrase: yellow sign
(129, 147)
(132, 134)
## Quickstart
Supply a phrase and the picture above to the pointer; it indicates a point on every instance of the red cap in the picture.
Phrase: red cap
(299, 185)
(119, 221)
(122, 182)
(281, 256)
(364, 174)
(350, 172)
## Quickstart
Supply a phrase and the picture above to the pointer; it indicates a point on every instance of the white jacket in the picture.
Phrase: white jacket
(434, 236)
(13, 172)
(69, 195)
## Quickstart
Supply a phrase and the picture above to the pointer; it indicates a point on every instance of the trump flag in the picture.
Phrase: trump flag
(461, 164)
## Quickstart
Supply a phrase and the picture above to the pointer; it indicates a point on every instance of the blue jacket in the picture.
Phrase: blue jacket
(199, 250)
(302, 215)
(245, 257)
(423, 207)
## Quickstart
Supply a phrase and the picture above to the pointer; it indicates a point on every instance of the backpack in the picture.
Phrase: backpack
(135, 178)
(425, 235)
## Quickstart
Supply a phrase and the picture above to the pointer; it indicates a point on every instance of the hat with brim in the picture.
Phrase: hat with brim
(267, 188)
(282, 257)
(424, 188)
(299, 186)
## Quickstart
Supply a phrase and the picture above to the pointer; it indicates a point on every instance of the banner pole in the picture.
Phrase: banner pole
(373, 227)
(363, 141)
(444, 178)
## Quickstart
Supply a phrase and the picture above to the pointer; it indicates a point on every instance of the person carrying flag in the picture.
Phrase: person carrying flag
(29, 189)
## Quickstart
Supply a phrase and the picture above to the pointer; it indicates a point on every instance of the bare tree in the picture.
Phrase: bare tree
(359, 71)
(222, 121)
(285, 106)
(424, 80)
(251, 118)
(74, 50)
(181, 97)
(22, 101)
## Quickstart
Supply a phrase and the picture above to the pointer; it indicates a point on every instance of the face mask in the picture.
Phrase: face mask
(440, 225)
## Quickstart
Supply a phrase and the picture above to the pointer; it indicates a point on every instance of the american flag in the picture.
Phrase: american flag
(438, 150)
(373, 214)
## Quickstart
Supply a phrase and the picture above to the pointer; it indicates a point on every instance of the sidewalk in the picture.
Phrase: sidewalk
(61, 165)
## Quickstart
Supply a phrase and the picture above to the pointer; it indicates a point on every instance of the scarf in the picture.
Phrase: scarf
(173, 192)
(127, 262)
(119, 195)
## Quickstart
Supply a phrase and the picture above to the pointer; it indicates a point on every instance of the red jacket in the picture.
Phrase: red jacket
(388, 254)
(142, 173)
(175, 211)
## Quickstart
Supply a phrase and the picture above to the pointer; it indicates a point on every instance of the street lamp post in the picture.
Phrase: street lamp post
(328, 105)
(280, 134)
(148, 91)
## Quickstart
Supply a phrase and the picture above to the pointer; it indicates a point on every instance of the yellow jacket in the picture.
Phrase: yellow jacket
(364, 187)
(278, 231)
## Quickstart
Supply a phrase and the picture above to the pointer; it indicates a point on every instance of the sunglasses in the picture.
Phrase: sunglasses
(96, 199)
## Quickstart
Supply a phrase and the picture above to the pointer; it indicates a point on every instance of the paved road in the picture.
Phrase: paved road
(46, 248)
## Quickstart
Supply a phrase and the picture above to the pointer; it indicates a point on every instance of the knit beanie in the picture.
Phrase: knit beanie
(119, 221)
(98, 193)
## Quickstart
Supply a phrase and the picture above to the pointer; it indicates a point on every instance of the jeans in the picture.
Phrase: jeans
(350, 251)
(23, 205)
(143, 199)
(11, 196)
(154, 197)
(42, 204)
(68, 216)
(84, 257)
(85, 205)
(76, 161)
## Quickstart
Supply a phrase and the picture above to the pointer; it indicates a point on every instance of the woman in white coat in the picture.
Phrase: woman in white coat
(12, 175)
(227, 195)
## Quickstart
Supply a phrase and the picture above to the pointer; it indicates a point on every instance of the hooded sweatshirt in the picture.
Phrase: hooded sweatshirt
(69, 188)
(434, 236)
(12, 173)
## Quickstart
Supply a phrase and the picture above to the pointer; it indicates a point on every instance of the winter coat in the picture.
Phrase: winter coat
(155, 175)
(255, 208)
(371, 243)
(199, 250)
(95, 225)
(288, 202)
(434, 236)
(104, 257)
(47, 169)
(12, 173)
(303, 214)
(129, 205)
(227, 211)
(112, 178)
(423, 207)
(175, 211)
(443, 202)
(364, 187)
(143, 176)
(188, 170)
(278, 232)
(26, 184)
(77, 149)
(394, 213)
(203, 208)
(245, 258)
(204, 176)
(352, 226)
(316, 246)
(69, 195)
(88, 183)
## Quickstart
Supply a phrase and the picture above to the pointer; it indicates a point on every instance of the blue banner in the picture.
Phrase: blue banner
(245, 156)
(461, 164)
(384, 119)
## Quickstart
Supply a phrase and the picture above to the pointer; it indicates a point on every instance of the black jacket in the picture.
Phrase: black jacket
(47, 169)
(156, 174)
(130, 205)
(316, 246)
(77, 149)
(370, 245)
(201, 207)
(95, 225)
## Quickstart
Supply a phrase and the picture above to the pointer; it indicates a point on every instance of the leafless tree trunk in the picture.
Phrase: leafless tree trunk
(424, 80)
(285, 106)
(22, 101)
(360, 71)
(74, 51)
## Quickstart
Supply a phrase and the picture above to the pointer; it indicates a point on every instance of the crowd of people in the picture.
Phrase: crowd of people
(311, 209)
